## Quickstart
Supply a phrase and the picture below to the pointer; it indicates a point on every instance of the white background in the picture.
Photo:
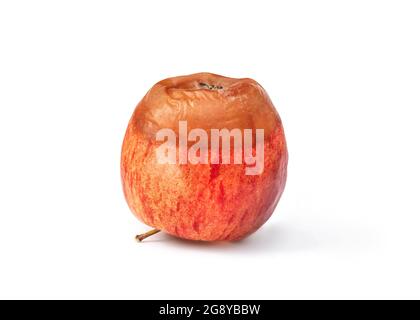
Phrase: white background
(345, 78)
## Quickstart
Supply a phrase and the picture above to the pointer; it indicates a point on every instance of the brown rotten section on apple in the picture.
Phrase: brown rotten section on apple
(207, 202)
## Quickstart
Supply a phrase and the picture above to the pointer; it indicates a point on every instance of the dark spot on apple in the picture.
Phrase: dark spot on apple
(196, 226)
(214, 171)
(221, 194)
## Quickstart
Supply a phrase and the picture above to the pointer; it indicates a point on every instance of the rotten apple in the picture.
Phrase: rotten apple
(204, 158)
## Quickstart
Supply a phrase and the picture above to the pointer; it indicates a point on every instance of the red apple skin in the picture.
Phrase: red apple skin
(207, 202)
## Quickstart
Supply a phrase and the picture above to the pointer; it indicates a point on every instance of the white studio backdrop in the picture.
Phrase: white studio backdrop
(344, 76)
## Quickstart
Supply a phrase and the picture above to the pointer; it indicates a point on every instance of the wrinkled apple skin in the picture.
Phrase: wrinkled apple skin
(207, 202)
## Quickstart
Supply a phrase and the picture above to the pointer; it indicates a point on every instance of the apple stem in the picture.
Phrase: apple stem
(210, 86)
(143, 236)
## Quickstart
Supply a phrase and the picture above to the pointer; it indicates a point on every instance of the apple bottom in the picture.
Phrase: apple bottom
(207, 202)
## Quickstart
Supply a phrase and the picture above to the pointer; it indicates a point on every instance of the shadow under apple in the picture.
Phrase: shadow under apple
(279, 238)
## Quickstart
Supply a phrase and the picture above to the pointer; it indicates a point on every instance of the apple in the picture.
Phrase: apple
(204, 158)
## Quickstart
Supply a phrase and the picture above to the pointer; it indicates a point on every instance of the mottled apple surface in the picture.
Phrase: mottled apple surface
(207, 201)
